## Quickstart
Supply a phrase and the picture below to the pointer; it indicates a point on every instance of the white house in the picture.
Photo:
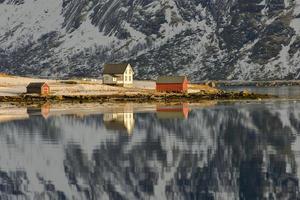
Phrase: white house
(118, 74)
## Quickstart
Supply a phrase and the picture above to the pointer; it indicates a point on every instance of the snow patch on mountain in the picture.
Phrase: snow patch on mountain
(295, 23)
(25, 23)
(86, 36)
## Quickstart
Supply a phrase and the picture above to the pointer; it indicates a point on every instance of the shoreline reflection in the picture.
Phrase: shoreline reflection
(225, 151)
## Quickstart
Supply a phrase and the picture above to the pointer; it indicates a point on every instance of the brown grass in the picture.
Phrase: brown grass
(4, 75)
(202, 87)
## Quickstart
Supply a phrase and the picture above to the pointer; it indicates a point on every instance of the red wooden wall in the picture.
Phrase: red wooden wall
(45, 89)
(172, 87)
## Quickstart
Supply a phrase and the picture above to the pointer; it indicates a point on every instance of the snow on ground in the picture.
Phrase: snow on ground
(11, 86)
(144, 84)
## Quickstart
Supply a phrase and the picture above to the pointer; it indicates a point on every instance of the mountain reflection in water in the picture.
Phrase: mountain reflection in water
(225, 151)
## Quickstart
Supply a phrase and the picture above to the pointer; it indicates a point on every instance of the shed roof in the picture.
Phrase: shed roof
(36, 84)
(171, 79)
(115, 68)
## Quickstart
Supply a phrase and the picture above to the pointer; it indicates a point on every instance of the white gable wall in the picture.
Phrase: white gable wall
(128, 75)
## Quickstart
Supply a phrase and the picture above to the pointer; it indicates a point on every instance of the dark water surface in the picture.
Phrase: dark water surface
(214, 151)
(281, 91)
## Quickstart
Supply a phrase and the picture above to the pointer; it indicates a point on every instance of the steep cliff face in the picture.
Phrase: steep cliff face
(206, 39)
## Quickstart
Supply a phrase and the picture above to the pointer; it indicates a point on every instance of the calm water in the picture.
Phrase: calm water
(210, 151)
(282, 91)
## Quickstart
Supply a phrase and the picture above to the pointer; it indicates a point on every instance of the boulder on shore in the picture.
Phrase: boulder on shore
(211, 84)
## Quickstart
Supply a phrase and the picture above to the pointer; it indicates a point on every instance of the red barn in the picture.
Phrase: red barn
(172, 84)
(38, 88)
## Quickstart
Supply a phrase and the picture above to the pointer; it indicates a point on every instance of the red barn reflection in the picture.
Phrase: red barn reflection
(173, 111)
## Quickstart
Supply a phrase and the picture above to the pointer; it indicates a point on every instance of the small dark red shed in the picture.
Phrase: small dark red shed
(172, 84)
(41, 88)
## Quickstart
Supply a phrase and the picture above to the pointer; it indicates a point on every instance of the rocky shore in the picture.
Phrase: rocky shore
(276, 83)
(157, 97)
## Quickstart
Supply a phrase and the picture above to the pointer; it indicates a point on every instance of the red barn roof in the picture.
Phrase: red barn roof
(171, 79)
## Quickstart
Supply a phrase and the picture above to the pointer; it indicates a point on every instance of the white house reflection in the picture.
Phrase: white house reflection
(120, 119)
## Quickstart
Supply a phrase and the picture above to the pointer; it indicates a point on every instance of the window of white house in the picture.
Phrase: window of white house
(125, 78)
(129, 78)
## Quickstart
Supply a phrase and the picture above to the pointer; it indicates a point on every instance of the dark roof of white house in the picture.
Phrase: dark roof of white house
(115, 68)
(36, 84)
(171, 79)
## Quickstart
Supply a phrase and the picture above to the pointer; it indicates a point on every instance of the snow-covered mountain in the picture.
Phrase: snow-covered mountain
(206, 39)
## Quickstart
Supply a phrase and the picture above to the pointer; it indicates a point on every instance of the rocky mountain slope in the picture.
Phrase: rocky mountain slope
(206, 39)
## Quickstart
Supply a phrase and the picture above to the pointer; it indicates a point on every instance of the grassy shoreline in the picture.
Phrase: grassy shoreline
(268, 83)
(143, 97)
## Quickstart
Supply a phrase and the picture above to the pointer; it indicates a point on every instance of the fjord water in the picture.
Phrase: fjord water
(214, 150)
(281, 91)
